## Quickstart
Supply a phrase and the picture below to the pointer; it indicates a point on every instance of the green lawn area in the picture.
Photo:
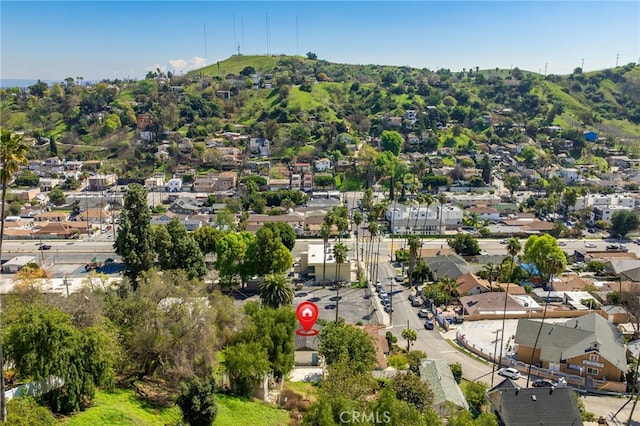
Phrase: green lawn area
(234, 411)
(124, 407)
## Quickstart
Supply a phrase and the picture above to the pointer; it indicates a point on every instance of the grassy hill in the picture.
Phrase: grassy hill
(124, 407)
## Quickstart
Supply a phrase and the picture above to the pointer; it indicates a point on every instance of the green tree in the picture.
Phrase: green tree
(513, 248)
(623, 222)
(207, 237)
(13, 154)
(340, 256)
(169, 321)
(391, 141)
(542, 251)
(246, 363)
(27, 178)
(569, 198)
(464, 244)
(43, 343)
(410, 388)
(274, 329)
(414, 245)
(276, 291)
(233, 260)
(324, 181)
(284, 231)
(410, 335)
(197, 400)
(339, 340)
(177, 249)
(134, 242)
(268, 254)
(512, 183)
(56, 196)
(475, 394)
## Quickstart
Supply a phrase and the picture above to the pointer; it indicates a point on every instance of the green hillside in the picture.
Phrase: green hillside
(304, 104)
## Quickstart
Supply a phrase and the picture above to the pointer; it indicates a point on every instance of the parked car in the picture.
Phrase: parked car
(44, 247)
(386, 300)
(503, 241)
(612, 247)
(562, 243)
(423, 313)
(511, 373)
(382, 293)
(544, 383)
(428, 324)
(591, 245)
(416, 302)
(388, 309)
(399, 278)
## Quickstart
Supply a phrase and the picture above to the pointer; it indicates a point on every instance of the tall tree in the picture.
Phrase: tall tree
(342, 341)
(233, 259)
(340, 256)
(276, 291)
(414, 246)
(246, 363)
(13, 154)
(391, 141)
(325, 233)
(555, 262)
(512, 183)
(491, 273)
(442, 199)
(134, 242)
(268, 254)
(623, 222)
(177, 249)
(284, 231)
(543, 251)
(428, 200)
(513, 248)
(357, 220)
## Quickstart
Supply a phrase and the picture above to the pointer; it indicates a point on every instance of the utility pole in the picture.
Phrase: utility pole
(582, 65)
(545, 69)
(617, 57)
(493, 364)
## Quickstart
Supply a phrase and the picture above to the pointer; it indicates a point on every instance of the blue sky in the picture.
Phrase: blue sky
(118, 39)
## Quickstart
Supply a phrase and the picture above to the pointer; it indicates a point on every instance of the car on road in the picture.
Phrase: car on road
(386, 300)
(388, 309)
(44, 247)
(511, 373)
(382, 293)
(591, 245)
(544, 383)
(423, 313)
(428, 324)
(399, 278)
(503, 241)
(416, 302)
(562, 243)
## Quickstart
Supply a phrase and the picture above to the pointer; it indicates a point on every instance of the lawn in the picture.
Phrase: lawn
(234, 411)
(124, 407)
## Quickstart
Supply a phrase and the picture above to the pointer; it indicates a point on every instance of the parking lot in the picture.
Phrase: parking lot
(354, 304)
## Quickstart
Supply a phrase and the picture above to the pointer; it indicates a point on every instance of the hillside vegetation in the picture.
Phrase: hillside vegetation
(310, 107)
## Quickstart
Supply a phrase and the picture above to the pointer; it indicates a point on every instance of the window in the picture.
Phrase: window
(592, 371)
(594, 357)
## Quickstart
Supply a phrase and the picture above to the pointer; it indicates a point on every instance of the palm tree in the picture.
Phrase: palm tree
(449, 288)
(13, 154)
(491, 272)
(373, 233)
(442, 198)
(325, 233)
(428, 200)
(414, 245)
(275, 291)
(513, 248)
(357, 220)
(555, 262)
(340, 255)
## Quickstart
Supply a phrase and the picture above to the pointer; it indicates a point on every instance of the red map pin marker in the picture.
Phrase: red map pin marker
(307, 313)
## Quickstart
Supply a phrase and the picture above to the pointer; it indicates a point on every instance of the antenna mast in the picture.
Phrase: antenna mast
(205, 44)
